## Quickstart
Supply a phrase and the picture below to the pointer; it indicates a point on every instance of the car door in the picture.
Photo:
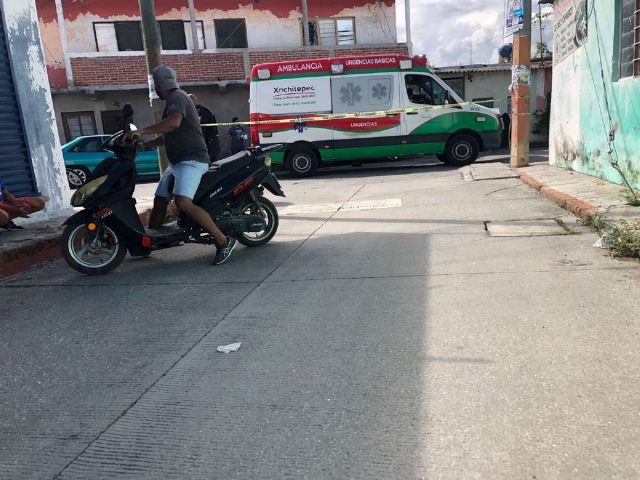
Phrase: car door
(147, 162)
(425, 131)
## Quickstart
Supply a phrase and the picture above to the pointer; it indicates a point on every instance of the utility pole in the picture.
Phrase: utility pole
(154, 59)
(407, 25)
(194, 28)
(305, 25)
(521, 93)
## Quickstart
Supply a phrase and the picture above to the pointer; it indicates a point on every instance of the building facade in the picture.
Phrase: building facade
(596, 99)
(30, 156)
(96, 61)
(489, 84)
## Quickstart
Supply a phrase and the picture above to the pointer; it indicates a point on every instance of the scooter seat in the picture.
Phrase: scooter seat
(233, 163)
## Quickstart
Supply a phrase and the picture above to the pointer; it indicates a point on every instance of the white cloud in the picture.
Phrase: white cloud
(455, 32)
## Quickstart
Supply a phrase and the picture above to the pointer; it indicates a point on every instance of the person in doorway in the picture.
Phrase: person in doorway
(12, 207)
(235, 137)
(210, 133)
(127, 117)
(180, 133)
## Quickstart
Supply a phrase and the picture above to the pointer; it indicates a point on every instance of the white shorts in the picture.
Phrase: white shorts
(187, 176)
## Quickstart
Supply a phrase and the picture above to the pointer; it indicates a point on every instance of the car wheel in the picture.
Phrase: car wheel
(302, 162)
(461, 150)
(77, 176)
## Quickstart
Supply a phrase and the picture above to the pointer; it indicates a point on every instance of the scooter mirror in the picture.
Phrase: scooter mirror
(132, 127)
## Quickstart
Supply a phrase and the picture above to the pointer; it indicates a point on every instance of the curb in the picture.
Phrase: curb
(574, 205)
(34, 253)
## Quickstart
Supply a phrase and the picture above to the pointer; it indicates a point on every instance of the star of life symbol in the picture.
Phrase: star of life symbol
(300, 125)
(379, 92)
(350, 94)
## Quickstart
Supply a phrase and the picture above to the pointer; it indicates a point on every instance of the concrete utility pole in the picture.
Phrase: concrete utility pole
(521, 94)
(194, 28)
(305, 25)
(407, 22)
(154, 58)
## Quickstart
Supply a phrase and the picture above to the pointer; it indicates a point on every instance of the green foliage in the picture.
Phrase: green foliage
(625, 239)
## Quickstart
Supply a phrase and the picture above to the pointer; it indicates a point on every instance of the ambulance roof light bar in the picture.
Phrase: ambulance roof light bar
(337, 68)
(406, 64)
(264, 74)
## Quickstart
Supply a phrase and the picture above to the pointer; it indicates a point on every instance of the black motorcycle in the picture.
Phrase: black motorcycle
(96, 239)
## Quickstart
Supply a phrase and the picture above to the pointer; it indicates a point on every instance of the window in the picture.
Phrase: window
(172, 35)
(424, 90)
(127, 36)
(111, 121)
(456, 84)
(231, 33)
(361, 94)
(484, 101)
(630, 39)
(89, 145)
(78, 124)
(330, 31)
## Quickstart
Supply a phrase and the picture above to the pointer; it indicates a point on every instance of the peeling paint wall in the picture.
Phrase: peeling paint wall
(579, 121)
(269, 24)
(34, 97)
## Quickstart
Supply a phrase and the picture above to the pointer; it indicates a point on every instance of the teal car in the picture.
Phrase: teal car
(83, 154)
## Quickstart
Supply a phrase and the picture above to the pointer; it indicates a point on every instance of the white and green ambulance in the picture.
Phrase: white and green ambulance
(422, 115)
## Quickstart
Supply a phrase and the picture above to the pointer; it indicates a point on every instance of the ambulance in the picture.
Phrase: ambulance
(395, 105)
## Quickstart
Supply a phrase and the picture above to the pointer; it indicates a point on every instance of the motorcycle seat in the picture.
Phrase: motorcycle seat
(233, 163)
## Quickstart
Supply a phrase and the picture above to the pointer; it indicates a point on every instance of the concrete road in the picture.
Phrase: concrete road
(389, 338)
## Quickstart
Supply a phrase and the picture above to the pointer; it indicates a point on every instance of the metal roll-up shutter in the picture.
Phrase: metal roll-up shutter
(15, 166)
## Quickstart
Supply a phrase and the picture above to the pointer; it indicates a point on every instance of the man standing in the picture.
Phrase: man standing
(182, 137)
(235, 138)
(210, 133)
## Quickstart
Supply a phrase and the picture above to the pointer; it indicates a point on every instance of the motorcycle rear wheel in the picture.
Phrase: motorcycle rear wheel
(267, 210)
(87, 258)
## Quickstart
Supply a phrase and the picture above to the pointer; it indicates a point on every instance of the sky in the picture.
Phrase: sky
(460, 32)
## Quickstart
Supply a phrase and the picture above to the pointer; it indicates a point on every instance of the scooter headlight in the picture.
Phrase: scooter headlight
(86, 191)
(267, 161)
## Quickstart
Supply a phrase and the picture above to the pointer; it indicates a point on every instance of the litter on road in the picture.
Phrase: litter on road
(232, 347)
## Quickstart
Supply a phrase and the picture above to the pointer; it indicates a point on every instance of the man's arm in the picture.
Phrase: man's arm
(8, 197)
(169, 124)
(156, 142)
(13, 206)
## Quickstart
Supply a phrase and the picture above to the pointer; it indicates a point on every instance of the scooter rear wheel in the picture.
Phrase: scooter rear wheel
(97, 258)
(267, 210)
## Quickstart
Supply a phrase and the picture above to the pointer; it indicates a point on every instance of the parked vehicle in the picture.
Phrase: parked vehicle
(96, 239)
(303, 89)
(82, 155)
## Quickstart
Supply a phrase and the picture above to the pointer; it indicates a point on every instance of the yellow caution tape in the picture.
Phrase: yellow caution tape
(380, 113)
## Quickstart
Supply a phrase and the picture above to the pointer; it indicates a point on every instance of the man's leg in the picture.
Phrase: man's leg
(201, 217)
(161, 200)
(37, 204)
(158, 212)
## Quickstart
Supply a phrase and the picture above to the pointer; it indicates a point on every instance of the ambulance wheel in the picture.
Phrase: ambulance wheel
(461, 150)
(302, 162)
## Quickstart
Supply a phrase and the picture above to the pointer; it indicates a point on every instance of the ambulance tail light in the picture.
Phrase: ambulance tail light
(264, 74)
(406, 64)
(255, 136)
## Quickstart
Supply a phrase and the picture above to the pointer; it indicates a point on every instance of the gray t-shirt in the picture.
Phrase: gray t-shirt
(186, 142)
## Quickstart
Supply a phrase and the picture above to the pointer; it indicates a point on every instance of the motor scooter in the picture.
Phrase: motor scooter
(96, 239)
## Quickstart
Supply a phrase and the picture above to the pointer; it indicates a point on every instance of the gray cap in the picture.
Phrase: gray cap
(165, 77)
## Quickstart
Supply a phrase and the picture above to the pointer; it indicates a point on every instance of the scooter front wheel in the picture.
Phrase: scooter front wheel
(101, 256)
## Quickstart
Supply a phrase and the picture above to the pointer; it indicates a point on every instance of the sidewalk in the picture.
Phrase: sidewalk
(40, 242)
(582, 195)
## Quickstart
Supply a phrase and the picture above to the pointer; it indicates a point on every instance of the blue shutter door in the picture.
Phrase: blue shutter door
(15, 166)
